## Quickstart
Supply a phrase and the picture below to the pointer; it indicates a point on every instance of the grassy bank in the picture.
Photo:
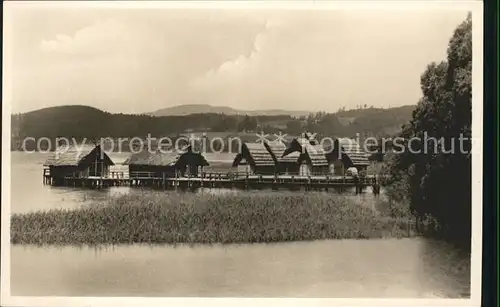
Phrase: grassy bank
(206, 218)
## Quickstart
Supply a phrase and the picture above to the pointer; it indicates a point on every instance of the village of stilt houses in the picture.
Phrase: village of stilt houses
(300, 164)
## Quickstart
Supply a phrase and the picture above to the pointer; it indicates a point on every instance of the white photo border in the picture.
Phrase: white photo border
(475, 7)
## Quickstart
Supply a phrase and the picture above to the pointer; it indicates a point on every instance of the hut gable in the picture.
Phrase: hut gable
(352, 151)
(316, 154)
(292, 157)
(276, 149)
(288, 164)
(259, 153)
(75, 156)
(309, 137)
(256, 154)
(189, 157)
(308, 150)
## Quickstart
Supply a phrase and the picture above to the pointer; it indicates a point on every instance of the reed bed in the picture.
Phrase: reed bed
(172, 218)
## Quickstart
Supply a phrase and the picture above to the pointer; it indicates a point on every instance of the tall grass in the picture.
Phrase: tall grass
(206, 218)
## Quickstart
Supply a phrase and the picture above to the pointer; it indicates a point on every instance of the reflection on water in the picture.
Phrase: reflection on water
(333, 268)
(342, 268)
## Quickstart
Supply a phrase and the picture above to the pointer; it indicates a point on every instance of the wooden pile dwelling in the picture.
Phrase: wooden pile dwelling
(285, 164)
(83, 165)
(255, 158)
(158, 167)
(347, 153)
(312, 156)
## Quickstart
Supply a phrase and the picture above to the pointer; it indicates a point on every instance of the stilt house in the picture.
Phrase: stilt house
(190, 163)
(312, 157)
(255, 158)
(85, 161)
(169, 164)
(286, 165)
(346, 154)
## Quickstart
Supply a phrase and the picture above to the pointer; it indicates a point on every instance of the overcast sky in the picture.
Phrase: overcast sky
(142, 60)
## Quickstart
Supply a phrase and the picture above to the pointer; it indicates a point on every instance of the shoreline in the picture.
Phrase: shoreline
(105, 246)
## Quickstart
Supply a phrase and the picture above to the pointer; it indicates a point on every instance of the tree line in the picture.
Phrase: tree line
(81, 122)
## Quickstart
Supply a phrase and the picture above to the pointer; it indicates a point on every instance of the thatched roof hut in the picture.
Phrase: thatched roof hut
(79, 161)
(170, 163)
(76, 155)
(278, 149)
(311, 156)
(309, 150)
(351, 153)
(286, 164)
(346, 154)
(193, 161)
(355, 153)
(257, 156)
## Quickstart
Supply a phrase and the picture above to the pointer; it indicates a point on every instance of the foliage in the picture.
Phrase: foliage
(437, 177)
(294, 127)
(249, 217)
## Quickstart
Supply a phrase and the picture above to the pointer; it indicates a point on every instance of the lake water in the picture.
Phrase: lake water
(391, 268)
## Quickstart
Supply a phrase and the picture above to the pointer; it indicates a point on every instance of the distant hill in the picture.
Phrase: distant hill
(401, 112)
(74, 120)
(376, 120)
(87, 122)
(83, 122)
(192, 109)
(205, 108)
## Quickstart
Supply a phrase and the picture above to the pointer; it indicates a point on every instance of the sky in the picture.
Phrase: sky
(141, 60)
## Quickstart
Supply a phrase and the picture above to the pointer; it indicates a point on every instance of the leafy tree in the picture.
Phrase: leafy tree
(294, 127)
(226, 124)
(329, 125)
(247, 124)
(438, 174)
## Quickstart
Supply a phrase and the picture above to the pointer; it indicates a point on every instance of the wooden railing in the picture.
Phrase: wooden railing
(117, 175)
(364, 180)
(142, 175)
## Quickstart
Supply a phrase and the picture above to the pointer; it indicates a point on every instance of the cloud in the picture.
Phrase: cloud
(242, 63)
(289, 65)
(138, 61)
(91, 38)
(126, 64)
(324, 61)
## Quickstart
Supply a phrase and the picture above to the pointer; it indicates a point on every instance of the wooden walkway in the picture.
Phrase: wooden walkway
(218, 180)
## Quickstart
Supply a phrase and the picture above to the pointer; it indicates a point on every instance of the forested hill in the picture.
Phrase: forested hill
(83, 121)
(86, 122)
(188, 109)
(376, 120)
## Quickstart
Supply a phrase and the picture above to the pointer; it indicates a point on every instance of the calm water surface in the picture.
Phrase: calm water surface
(335, 268)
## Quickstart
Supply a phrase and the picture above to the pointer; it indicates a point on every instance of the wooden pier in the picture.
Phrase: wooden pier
(219, 180)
